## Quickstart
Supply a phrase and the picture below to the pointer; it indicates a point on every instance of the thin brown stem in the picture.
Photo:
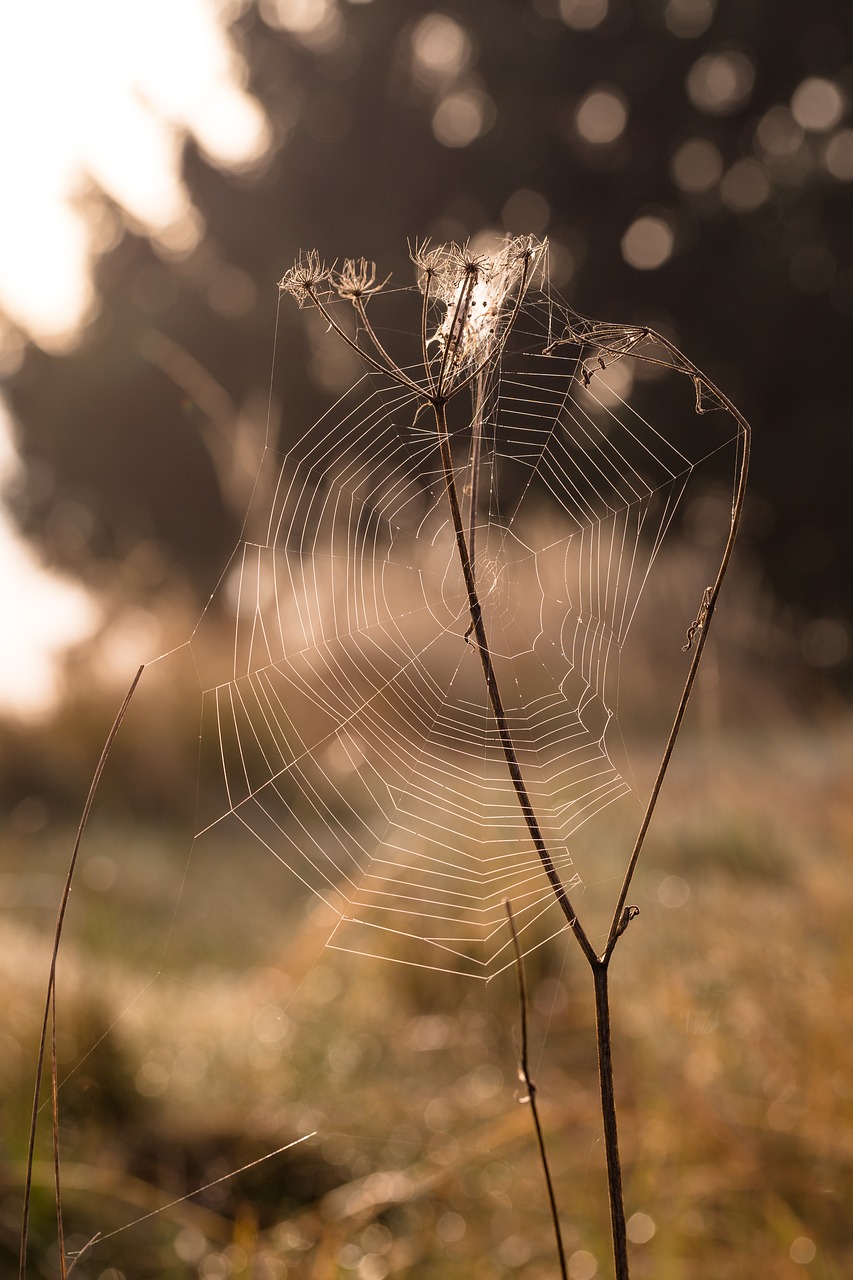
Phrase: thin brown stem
(54, 1098)
(391, 370)
(504, 732)
(424, 340)
(455, 331)
(706, 614)
(361, 310)
(51, 982)
(608, 1114)
(524, 1073)
(476, 449)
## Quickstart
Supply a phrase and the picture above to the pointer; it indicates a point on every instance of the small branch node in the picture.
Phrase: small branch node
(628, 914)
(699, 621)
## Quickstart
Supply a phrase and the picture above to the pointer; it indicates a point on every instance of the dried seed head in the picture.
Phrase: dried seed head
(428, 261)
(357, 279)
(477, 293)
(307, 278)
(443, 266)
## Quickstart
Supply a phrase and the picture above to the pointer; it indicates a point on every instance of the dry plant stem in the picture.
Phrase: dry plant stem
(424, 340)
(454, 334)
(608, 1114)
(599, 965)
(476, 449)
(391, 370)
(437, 393)
(361, 311)
(494, 692)
(524, 1072)
(686, 366)
(50, 998)
(57, 1179)
(492, 356)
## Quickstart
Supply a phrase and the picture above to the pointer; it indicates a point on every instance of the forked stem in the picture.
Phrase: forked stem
(699, 628)
(439, 389)
(390, 369)
(599, 965)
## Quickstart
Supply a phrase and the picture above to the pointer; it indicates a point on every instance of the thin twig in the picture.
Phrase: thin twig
(476, 449)
(51, 982)
(54, 1097)
(424, 340)
(524, 1073)
(504, 731)
(361, 311)
(455, 330)
(391, 370)
(707, 613)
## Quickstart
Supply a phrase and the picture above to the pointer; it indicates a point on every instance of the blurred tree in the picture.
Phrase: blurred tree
(691, 161)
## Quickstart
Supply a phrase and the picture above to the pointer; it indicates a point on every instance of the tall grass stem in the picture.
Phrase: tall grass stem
(50, 1002)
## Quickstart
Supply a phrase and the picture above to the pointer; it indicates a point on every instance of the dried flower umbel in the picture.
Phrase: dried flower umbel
(477, 296)
(307, 278)
(357, 279)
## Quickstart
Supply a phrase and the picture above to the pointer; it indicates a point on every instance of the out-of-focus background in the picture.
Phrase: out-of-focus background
(691, 163)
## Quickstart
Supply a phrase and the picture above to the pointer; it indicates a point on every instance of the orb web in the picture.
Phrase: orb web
(351, 728)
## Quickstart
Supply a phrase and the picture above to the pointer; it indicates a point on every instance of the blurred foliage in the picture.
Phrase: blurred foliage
(727, 124)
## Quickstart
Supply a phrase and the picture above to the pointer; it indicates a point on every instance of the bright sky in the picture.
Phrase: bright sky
(103, 91)
(48, 612)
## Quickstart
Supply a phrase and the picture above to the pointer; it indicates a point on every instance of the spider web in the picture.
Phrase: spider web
(351, 731)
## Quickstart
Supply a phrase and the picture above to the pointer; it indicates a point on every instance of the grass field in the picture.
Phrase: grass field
(203, 1025)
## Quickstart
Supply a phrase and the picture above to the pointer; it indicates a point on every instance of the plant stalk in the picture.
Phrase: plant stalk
(504, 731)
(524, 1073)
(608, 1113)
(50, 997)
(598, 965)
(684, 365)
(439, 390)
(476, 450)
